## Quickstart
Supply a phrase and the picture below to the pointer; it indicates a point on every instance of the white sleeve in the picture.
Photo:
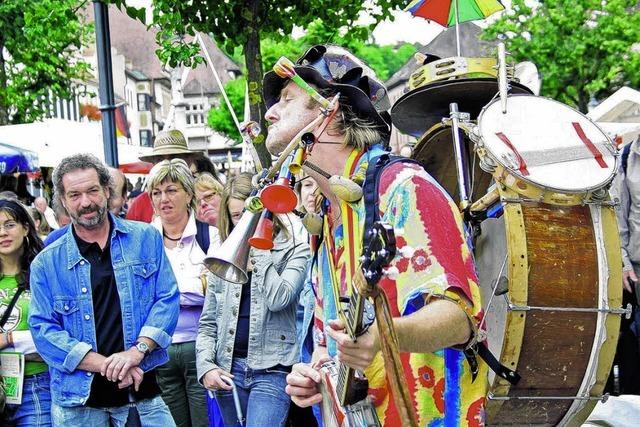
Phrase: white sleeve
(22, 342)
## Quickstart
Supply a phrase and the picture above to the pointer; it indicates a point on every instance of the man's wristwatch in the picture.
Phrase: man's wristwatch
(142, 347)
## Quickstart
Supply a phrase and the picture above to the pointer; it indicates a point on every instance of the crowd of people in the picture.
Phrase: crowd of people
(110, 302)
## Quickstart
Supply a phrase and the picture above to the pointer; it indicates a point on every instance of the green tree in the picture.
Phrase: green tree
(39, 45)
(583, 48)
(219, 117)
(244, 23)
(385, 60)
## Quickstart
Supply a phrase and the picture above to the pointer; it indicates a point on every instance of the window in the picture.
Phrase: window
(145, 138)
(144, 101)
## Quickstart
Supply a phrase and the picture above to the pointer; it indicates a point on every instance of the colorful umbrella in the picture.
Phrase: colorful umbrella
(452, 12)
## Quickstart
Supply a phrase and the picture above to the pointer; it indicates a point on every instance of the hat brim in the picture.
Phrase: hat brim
(272, 85)
(160, 153)
(418, 110)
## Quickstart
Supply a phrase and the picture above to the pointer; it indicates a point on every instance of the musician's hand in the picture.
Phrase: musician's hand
(628, 277)
(359, 354)
(212, 380)
(302, 385)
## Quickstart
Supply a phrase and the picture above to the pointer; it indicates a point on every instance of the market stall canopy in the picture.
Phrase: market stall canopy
(55, 139)
(619, 115)
(14, 159)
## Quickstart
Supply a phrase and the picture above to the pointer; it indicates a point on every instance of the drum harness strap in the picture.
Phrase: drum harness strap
(473, 348)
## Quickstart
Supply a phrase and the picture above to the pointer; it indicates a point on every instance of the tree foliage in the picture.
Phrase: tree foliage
(244, 23)
(385, 60)
(39, 45)
(583, 48)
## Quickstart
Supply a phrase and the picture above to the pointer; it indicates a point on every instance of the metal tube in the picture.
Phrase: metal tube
(460, 161)
(502, 76)
(105, 83)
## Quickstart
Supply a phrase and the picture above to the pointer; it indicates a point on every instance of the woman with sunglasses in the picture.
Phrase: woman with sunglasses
(172, 191)
(19, 244)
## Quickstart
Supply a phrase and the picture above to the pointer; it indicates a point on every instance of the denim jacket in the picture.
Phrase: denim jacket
(61, 314)
(278, 276)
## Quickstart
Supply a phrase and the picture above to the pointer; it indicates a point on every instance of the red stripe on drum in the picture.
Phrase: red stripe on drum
(590, 145)
(522, 165)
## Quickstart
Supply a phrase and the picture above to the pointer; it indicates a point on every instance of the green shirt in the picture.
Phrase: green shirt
(18, 319)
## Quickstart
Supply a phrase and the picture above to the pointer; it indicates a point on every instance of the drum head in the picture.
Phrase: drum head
(420, 109)
(436, 154)
(547, 144)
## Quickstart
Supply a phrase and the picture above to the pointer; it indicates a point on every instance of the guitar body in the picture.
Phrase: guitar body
(345, 400)
(359, 414)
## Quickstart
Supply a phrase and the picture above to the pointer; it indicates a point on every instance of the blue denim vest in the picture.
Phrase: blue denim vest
(61, 315)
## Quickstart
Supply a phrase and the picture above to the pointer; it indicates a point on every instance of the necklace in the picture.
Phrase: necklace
(173, 240)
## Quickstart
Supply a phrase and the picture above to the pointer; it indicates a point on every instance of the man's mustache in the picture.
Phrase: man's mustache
(89, 209)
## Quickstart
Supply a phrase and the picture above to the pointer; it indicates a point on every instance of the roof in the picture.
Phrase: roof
(201, 80)
(444, 46)
(132, 39)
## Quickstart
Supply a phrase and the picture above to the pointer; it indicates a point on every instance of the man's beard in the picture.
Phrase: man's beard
(93, 222)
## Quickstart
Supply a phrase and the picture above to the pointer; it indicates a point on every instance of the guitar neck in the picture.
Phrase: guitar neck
(349, 388)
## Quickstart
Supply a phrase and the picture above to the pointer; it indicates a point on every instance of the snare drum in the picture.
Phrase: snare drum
(545, 150)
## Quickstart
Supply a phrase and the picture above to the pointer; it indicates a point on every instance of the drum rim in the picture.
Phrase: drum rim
(602, 185)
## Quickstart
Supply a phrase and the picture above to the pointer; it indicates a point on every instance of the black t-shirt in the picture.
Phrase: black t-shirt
(108, 327)
(241, 342)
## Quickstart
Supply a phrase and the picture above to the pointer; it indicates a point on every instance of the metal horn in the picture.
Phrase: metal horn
(229, 261)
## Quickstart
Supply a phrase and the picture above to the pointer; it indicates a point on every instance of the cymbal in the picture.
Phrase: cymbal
(420, 109)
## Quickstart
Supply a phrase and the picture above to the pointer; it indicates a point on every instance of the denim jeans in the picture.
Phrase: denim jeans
(262, 396)
(35, 409)
(153, 413)
(181, 391)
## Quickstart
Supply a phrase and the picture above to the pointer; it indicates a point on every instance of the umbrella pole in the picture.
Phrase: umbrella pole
(457, 28)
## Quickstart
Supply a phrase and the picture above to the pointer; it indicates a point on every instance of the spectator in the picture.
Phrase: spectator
(626, 188)
(119, 196)
(247, 332)
(208, 193)
(19, 244)
(167, 145)
(42, 205)
(42, 227)
(172, 191)
(104, 306)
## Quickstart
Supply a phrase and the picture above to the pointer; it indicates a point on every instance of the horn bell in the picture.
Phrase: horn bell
(229, 261)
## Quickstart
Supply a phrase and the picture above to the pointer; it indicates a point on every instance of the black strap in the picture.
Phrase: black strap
(9, 308)
(371, 190)
(502, 371)
(202, 235)
(624, 158)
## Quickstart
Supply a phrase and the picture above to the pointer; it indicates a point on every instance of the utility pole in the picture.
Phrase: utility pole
(105, 83)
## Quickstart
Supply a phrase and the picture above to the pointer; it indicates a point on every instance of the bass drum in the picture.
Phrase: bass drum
(550, 277)
(435, 153)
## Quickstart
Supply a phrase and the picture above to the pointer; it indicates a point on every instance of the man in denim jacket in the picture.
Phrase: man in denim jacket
(104, 306)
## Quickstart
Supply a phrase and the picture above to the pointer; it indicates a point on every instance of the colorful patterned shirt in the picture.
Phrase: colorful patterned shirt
(433, 260)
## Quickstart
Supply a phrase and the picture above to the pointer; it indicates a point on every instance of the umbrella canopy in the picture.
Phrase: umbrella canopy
(14, 159)
(444, 11)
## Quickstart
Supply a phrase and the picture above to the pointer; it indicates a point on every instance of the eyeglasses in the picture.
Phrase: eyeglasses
(207, 198)
(8, 226)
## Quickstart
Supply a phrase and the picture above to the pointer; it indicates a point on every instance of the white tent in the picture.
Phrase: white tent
(619, 115)
(55, 139)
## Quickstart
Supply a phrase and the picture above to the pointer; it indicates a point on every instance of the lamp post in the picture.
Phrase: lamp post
(105, 83)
